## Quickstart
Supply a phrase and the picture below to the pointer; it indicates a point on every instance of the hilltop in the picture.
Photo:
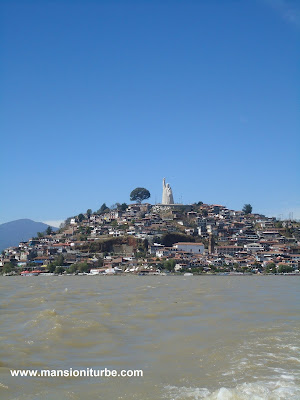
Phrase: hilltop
(145, 238)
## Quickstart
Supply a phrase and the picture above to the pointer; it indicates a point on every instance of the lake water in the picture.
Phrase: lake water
(198, 337)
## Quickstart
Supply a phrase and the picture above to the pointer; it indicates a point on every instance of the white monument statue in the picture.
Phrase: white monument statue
(167, 196)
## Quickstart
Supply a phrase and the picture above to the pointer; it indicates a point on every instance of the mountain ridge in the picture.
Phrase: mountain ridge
(14, 232)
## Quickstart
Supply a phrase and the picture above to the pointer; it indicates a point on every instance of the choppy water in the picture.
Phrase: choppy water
(195, 337)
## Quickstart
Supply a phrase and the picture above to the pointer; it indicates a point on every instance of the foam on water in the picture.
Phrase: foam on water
(279, 390)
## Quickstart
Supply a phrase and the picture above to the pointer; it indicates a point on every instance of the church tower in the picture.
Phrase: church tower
(211, 244)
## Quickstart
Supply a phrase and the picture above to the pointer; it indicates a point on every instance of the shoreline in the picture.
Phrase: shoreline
(148, 275)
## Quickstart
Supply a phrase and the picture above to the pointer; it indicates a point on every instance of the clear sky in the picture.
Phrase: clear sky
(99, 97)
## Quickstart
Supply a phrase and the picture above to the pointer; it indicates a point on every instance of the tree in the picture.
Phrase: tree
(83, 267)
(103, 209)
(59, 270)
(89, 213)
(169, 265)
(72, 269)
(284, 268)
(271, 267)
(278, 224)
(59, 260)
(115, 206)
(99, 263)
(168, 239)
(49, 230)
(51, 267)
(123, 207)
(247, 209)
(139, 194)
(80, 217)
(40, 234)
(8, 267)
(68, 220)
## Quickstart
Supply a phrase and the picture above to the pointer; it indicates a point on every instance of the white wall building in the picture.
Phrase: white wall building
(190, 247)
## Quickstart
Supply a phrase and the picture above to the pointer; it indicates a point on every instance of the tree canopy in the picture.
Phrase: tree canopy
(119, 207)
(103, 209)
(169, 265)
(247, 209)
(139, 194)
(89, 213)
(123, 207)
(80, 217)
(49, 230)
(168, 239)
(284, 268)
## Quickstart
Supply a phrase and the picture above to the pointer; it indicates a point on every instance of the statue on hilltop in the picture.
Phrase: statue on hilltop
(167, 196)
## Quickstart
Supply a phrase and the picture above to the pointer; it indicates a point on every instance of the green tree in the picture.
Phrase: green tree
(271, 267)
(72, 269)
(168, 239)
(169, 265)
(103, 209)
(140, 253)
(51, 267)
(284, 268)
(89, 213)
(99, 263)
(40, 234)
(139, 194)
(83, 267)
(80, 217)
(68, 220)
(59, 270)
(49, 230)
(247, 209)
(119, 206)
(124, 207)
(59, 260)
(7, 268)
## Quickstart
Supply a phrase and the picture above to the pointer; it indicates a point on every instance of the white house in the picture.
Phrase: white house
(254, 247)
(190, 247)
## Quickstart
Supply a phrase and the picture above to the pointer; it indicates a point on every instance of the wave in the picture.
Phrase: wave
(277, 390)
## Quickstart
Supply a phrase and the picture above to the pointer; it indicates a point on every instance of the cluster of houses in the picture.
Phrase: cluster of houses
(153, 239)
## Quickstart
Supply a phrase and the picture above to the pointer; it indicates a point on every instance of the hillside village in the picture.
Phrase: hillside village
(159, 239)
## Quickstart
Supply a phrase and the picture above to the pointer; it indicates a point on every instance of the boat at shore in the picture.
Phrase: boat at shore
(30, 273)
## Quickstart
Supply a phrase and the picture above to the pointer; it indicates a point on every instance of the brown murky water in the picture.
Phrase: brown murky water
(194, 337)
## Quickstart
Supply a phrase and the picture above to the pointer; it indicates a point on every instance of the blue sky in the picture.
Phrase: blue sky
(99, 97)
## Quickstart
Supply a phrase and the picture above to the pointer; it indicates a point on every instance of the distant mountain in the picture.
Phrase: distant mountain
(14, 232)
